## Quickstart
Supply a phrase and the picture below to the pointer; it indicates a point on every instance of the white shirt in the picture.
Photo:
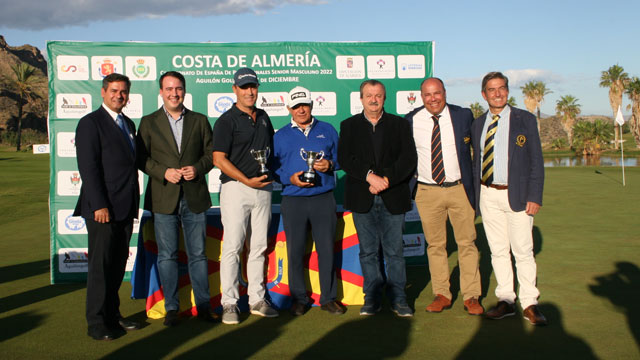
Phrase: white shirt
(422, 129)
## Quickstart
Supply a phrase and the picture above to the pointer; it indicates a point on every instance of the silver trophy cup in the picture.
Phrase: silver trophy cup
(261, 157)
(310, 157)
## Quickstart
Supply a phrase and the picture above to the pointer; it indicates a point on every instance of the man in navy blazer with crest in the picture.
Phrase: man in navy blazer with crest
(109, 198)
(442, 134)
(508, 174)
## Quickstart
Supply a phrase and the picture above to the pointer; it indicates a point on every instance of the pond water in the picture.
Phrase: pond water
(563, 161)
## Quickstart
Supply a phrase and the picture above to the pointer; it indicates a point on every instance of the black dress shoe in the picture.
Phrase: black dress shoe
(501, 310)
(128, 325)
(171, 319)
(205, 314)
(534, 315)
(333, 308)
(298, 309)
(101, 332)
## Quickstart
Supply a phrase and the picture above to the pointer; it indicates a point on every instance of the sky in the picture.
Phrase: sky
(565, 43)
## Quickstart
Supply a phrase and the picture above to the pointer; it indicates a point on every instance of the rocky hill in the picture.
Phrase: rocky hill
(35, 116)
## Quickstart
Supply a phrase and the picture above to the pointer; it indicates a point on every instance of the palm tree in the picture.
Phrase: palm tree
(591, 137)
(512, 102)
(633, 92)
(476, 109)
(569, 108)
(615, 79)
(534, 93)
(23, 85)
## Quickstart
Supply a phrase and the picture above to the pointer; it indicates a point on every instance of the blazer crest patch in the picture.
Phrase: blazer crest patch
(520, 140)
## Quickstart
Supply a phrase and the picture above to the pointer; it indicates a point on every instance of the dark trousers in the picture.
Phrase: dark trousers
(299, 213)
(108, 253)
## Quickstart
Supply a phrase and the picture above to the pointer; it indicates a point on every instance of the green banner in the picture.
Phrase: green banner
(331, 71)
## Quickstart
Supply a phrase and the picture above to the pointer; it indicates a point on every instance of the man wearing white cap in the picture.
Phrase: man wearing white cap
(307, 201)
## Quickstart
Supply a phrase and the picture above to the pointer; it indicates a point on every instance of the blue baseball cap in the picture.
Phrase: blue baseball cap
(245, 76)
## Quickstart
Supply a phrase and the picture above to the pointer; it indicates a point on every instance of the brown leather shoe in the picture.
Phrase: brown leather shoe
(333, 308)
(439, 303)
(501, 310)
(298, 309)
(473, 307)
(534, 315)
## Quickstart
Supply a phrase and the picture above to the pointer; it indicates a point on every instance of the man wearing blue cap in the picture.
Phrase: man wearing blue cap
(245, 195)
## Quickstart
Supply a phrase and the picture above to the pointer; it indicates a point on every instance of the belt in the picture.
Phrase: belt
(444, 184)
(498, 187)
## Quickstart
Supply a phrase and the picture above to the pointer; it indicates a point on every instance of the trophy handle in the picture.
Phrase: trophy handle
(253, 153)
(303, 154)
(320, 156)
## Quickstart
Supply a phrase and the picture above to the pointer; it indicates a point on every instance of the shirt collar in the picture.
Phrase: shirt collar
(112, 113)
(171, 117)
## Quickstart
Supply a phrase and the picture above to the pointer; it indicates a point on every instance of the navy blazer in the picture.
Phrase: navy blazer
(525, 168)
(461, 118)
(107, 166)
(398, 162)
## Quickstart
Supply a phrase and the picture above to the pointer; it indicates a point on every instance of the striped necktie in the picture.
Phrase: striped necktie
(437, 164)
(487, 159)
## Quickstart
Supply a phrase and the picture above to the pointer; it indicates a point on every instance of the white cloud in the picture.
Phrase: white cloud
(520, 77)
(38, 15)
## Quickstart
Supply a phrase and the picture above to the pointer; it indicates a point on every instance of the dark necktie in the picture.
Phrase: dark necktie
(437, 164)
(125, 131)
(487, 158)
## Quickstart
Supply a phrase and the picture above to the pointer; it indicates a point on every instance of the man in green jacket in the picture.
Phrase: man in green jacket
(176, 153)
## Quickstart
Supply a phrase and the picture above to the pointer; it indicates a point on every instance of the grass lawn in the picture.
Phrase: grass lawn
(587, 239)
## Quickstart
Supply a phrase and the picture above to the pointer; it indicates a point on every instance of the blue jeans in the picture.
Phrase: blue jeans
(194, 228)
(379, 228)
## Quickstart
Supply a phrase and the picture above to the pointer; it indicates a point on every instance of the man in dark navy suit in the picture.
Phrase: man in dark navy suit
(508, 175)
(442, 133)
(109, 197)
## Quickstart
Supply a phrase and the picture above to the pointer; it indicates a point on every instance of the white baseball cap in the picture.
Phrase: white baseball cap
(299, 95)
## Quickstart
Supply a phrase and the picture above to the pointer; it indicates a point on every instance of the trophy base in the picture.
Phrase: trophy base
(268, 178)
(309, 178)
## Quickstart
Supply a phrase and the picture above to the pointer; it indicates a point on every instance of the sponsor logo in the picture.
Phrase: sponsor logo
(411, 66)
(411, 98)
(41, 148)
(68, 183)
(72, 67)
(381, 67)
(69, 224)
(300, 94)
(214, 180)
(74, 223)
(72, 106)
(105, 65)
(219, 103)
(141, 67)
(355, 103)
(321, 136)
(412, 215)
(134, 106)
(66, 144)
(73, 260)
(413, 244)
(73, 257)
(223, 103)
(274, 103)
(350, 67)
(407, 101)
(325, 103)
